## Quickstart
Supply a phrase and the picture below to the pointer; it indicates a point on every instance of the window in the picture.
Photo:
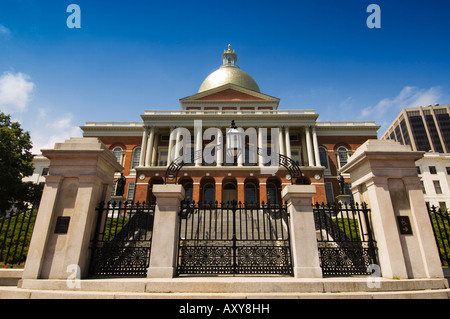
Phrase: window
(130, 192)
(323, 155)
(136, 157)
(250, 196)
(418, 170)
(342, 156)
(209, 193)
(118, 153)
(188, 189)
(272, 197)
(295, 155)
(448, 170)
(329, 192)
(437, 187)
(443, 206)
(432, 169)
(162, 158)
(45, 171)
(423, 187)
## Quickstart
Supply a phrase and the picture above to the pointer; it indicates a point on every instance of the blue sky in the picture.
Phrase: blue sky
(130, 56)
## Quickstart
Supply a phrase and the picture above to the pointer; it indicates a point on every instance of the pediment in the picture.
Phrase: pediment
(229, 92)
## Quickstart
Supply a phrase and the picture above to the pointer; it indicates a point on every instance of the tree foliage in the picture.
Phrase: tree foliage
(16, 162)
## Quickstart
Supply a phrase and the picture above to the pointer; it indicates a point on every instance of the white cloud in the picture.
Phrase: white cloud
(15, 92)
(55, 131)
(46, 126)
(409, 96)
(4, 31)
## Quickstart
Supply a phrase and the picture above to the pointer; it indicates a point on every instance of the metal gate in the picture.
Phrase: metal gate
(121, 246)
(345, 239)
(234, 239)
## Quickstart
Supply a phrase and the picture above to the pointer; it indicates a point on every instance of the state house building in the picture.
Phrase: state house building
(227, 94)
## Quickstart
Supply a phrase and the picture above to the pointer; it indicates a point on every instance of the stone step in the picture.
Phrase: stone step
(230, 288)
(20, 293)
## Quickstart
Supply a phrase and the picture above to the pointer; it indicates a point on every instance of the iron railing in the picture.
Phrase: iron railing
(234, 238)
(440, 221)
(345, 239)
(16, 229)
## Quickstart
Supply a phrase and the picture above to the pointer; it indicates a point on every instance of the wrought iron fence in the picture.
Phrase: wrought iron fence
(440, 221)
(345, 239)
(121, 246)
(16, 229)
(233, 238)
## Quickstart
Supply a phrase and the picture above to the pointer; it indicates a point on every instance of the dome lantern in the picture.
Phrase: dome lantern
(229, 73)
(229, 57)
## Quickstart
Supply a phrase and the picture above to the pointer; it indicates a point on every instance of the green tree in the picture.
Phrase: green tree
(16, 162)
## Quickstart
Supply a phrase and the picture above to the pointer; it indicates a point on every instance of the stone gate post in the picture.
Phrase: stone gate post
(81, 174)
(305, 253)
(163, 256)
(384, 175)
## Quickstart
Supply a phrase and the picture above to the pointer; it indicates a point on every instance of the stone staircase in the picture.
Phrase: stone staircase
(228, 287)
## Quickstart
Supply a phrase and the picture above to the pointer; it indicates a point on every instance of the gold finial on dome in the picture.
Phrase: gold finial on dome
(229, 72)
(229, 57)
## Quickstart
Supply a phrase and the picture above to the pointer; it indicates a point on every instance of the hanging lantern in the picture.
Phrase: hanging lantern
(234, 137)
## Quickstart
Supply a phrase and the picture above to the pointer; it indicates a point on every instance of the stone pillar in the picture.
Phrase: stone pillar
(316, 146)
(384, 175)
(143, 146)
(219, 147)
(288, 142)
(280, 140)
(80, 177)
(305, 253)
(163, 256)
(172, 137)
(198, 135)
(150, 143)
(260, 146)
(309, 147)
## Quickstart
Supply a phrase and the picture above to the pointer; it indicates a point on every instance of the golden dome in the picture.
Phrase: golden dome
(229, 72)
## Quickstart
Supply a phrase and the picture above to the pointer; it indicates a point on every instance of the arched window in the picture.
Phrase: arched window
(272, 194)
(136, 157)
(342, 156)
(188, 188)
(118, 153)
(250, 195)
(323, 154)
(209, 193)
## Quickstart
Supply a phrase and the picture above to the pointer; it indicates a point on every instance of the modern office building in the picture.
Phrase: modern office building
(424, 128)
(427, 129)
(146, 148)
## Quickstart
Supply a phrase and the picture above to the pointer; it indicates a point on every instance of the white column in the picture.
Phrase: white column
(151, 138)
(198, 145)
(169, 151)
(316, 146)
(280, 140)
(178, 145)
(288, 142)
(304, 151)
(155, 150)
(219, 147)
(143, 146)
(308, 147)
(260, 146)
